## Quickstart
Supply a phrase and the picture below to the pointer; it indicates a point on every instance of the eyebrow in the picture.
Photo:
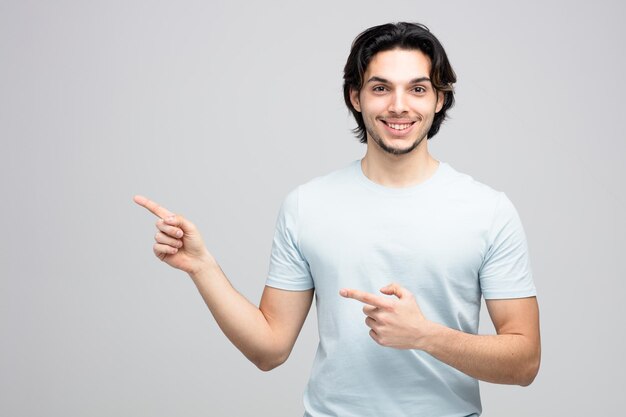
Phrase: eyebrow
(382, 80)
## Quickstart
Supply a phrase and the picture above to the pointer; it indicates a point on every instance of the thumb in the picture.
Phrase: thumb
(179, 221)
(394, 289)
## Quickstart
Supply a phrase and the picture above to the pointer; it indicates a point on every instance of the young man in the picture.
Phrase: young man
(398, 247)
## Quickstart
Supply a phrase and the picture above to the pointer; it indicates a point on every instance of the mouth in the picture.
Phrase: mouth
(400, 128)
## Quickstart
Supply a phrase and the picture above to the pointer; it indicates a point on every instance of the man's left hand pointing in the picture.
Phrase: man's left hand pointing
(394, 322)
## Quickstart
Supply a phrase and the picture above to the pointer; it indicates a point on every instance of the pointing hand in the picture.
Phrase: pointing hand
(178, 242)
(394, 322)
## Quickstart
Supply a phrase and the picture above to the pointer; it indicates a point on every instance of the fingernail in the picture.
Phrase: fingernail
(179, 233)
(343, 292)
(170, 219)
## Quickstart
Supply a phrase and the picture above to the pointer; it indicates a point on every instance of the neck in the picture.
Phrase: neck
(398, 171)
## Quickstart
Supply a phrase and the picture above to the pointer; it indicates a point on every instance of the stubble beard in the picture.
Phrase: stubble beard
(372, 134)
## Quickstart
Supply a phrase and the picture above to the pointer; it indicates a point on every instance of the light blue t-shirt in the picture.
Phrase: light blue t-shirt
(448, 240)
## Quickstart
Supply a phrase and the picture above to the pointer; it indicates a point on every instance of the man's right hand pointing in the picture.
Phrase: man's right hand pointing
(178, 242)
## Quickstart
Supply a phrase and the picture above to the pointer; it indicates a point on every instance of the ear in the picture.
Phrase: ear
(354, 99)
(440, 100)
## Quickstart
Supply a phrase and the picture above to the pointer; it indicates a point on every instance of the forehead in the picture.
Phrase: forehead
(398, 65)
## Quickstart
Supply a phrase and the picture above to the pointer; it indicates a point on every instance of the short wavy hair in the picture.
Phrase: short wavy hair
(390, 36)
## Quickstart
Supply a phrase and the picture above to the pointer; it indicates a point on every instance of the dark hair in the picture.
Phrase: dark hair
(404, 36)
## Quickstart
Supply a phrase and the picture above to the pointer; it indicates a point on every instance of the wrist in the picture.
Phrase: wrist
(206, 266)
(431, 332)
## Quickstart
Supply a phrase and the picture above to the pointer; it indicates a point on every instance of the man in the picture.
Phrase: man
(397, 222)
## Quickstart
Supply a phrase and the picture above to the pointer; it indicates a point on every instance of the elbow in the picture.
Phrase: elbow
(265, 367)
(527, 380)
(529, 377)
(267, 364)
(530, 372)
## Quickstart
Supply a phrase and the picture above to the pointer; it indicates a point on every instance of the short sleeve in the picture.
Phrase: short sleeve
(506, 271)
(288, 268)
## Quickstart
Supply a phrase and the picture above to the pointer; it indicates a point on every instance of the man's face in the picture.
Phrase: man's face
(397, 101)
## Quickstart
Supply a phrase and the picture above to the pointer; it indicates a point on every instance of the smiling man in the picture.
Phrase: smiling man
(403, 108)
(398, 248)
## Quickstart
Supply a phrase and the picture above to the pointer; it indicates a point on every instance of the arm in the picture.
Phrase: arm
(264, 334)
(510, 357)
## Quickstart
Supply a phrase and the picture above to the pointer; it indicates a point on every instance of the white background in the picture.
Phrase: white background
(216, 110)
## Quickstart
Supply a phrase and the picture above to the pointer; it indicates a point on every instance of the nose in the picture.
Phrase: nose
(397, 103)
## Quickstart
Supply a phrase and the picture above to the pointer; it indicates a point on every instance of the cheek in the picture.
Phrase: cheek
(372, 108)
(426, 108)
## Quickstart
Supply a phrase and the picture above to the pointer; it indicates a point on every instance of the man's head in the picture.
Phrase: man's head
(402, 36)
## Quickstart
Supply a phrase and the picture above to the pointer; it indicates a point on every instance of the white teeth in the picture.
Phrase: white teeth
(399, 127)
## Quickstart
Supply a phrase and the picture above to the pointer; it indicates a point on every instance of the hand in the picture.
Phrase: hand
(178, 242)
(394, 322)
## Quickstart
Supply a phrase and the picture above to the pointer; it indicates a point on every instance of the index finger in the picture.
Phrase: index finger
(156, 209)
(366, 297)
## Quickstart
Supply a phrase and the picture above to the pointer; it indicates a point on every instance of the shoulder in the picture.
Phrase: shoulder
(323, 187)
(468, 183)
(495, 204)
(465, 187)
(469, 195)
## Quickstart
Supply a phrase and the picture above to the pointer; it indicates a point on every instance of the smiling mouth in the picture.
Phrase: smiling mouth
(398, 126)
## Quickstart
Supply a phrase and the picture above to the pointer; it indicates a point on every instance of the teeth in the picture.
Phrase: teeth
(399, 127)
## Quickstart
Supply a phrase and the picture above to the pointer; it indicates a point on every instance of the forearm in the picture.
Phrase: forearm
(501, 359)
(242, 322)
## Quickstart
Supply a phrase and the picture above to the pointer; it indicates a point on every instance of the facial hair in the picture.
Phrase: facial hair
(393, 151)
(373, 134)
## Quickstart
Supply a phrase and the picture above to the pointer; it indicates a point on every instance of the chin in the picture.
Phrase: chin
(399, 150)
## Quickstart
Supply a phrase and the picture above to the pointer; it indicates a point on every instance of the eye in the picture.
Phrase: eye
(379, 89)
(419, 89)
